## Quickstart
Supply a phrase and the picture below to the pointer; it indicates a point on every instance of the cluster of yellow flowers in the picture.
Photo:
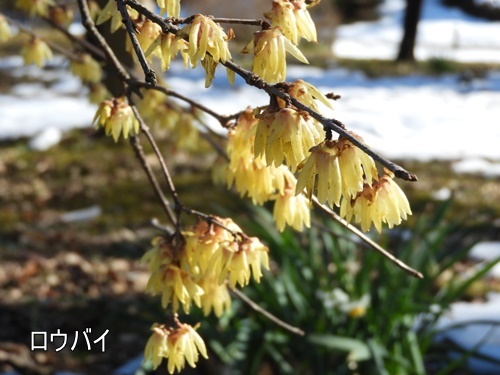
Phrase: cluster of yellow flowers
(198, 269)
(5, 32)
(116, 117)
(35, 7)
(179, 345)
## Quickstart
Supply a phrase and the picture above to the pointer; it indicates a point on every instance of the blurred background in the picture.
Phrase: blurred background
(418, 80)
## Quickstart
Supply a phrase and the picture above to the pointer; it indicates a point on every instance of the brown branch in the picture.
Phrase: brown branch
(164, 23)
(139, 152)
(210, 219)
(149, 74)
(267, 314)
(235, 21)
(92, 30)
(367, 240)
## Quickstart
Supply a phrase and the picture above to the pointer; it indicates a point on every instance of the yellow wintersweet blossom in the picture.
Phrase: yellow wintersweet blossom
(110, 11)
(269, 48)
(156, 110)
(291, 209)
(5, 32)
(216, 296)
(61, 15)
(248, 173)
(98, 93)
(285, 135)
(116, 117)
(205, 37)
(293, 19)
(88, 69)
(169, 46)
(382, 202)
(356, 167)
(179, 345)
(148, 33)
(307, 94)
(35, 7)
(36, 51)
(322, 165)
(171, 7)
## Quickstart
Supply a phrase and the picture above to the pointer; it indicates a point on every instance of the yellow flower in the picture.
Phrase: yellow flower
(291, 209)
(5, 32)
(98, 93)
(116, 117)
(205, 37)
(170, 46)
(383, 202)
(285, 135)
(294, 19)
(148, 33)
(269, 48)
(156, 347)
(323, 164)
(216, 296)
(110, 11)
(184, 345)
(308, 94)
(179, 345)
(35, 7)
(239, 260)
(171, 7)
(156, 110)
(37, 52)
(355, 167)
(88, 69)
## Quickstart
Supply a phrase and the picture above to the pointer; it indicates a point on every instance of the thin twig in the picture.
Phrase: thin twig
(267, 314)
(139, 152)
(173, 192)
(235, 21)
(164, 23)
(149, 74)
(212, 220)
(367, 240)
(92, 30)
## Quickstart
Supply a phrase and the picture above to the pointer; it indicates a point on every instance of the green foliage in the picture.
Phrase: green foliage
(305, 289)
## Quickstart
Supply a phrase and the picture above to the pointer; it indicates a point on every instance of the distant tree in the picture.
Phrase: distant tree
(412, 16)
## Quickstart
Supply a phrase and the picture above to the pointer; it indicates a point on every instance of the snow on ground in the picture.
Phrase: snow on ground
(442, 33)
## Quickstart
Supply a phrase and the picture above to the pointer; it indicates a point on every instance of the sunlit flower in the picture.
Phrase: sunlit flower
(116, 117)
(171, 7)
(5, 32)
(110, 11)
(216, 296)
(294, 19)
(156, 347)
(37, 52)
(205, 37)
(269, 48)
(169, 46)
(307, 94)
(88, 69)
(148, 32)
(179, 345)
(239, 260)
(35, 7)
(356, 167)
(322, 165)
(184, 345)
(285, 135)
(382, 202)
(291, 209)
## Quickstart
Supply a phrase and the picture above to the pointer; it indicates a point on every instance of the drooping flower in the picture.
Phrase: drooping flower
(285, 135)
(37, 52)
(148, 33)
(382, 202)
(321, 172)
(205, 37)
(98, 93)
(110, 11)
(170, 46)
(293, 19)
(215, 297)
(171, 7)
(5, 32)
(35, 7)
(88, 69)
(291, 209)
(116, 117)
(269, 48)
(178, 345)
(356, 167)
(61, 15)
(308, 94)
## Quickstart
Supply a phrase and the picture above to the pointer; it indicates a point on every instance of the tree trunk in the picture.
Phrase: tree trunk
(412, 16)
